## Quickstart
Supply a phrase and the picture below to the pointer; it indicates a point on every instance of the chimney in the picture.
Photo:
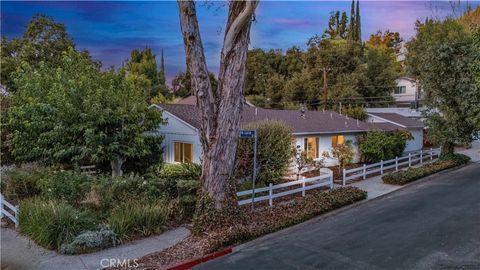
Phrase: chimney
(358, 124)
(331, 116)
(302, 112)
(256, 111)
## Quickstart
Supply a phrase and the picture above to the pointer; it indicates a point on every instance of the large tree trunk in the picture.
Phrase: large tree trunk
(220, 110)
(116, 166)
(447, 149)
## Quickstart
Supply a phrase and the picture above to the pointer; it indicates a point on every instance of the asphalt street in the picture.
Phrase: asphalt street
(434, 224)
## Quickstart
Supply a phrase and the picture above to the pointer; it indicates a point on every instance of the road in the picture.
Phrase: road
(433, 224)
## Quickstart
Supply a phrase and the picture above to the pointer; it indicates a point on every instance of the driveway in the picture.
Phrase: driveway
(432, 224)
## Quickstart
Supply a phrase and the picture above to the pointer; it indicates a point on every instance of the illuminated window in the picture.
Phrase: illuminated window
(337, 139)
(311, 147)
(183, 152)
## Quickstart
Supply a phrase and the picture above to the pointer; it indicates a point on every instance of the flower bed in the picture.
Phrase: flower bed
(246, 225)
(412, 174)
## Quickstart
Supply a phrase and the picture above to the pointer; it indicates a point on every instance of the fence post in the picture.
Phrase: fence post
(343, 182)
(409, 159)
(331, 179)
(381, 166)
(421, 156)
(270, 194)
(16, 216)
(1, 205)
(431, 154)
(396, 164)
(364, 171)
(303, 188)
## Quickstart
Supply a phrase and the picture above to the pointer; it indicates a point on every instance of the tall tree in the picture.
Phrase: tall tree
(337, 26)
(75, 113)
(142, 66)
(358, 25)
(387, 40)
(44, 40)
(351, 27)
(219, 110)
(161, 73)
(442, 56)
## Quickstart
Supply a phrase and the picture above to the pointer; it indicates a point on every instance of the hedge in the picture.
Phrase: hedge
(412, 174)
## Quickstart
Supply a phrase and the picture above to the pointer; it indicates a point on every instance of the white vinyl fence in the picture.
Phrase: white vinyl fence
(8, 210)
(419, 157)
(324, 180)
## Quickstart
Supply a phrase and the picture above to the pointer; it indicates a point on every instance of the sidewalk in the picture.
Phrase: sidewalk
(18, 253)
(473, 152)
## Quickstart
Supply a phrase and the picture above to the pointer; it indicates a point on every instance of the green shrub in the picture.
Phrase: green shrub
(115, 190)
(20, 184)
(406, 176)
(88, 241)
(273, 151)
(185, 171)
(141, 165)
(138, 218)
(70, 186)
(378, 145)
(51, 223)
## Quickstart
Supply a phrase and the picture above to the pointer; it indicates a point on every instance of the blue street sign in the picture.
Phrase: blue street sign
(247, 133)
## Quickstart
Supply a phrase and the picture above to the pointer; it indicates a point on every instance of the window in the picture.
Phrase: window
(311, 147)
(183, 152)
(400, 90)
(337, 139)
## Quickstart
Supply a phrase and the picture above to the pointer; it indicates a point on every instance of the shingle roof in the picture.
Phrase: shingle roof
(386, 126)
(313, 122)
(190, 100)
(399, 119)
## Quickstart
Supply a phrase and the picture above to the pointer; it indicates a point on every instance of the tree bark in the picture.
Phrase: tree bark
(220, 110)
(116, 166)
(447, 149)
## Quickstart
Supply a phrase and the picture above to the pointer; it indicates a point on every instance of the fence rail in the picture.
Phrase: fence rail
(324, 180)
(419, 157)
(8, 210)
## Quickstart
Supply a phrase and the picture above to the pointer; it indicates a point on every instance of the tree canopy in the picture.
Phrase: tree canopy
(74, 113)
(442, 57)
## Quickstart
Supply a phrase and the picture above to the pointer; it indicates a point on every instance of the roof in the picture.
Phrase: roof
(398, 119)
(313, 122)
(386, 126)
(191, 100)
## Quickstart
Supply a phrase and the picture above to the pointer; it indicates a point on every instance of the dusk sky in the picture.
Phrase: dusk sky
(110, 30)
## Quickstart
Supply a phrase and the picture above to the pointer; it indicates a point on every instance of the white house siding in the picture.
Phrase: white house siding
(417, 143)
(178, 131)
(325, 144)
(410, 93)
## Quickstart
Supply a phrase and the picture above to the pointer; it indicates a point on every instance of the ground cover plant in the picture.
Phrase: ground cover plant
(73, 212)
(411, 174)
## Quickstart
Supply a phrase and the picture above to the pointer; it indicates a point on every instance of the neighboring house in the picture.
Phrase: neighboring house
(392, 121)
(314, 131)
(407, 92)
(406, 112)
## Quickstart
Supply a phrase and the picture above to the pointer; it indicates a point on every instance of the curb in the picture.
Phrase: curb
(206, 258)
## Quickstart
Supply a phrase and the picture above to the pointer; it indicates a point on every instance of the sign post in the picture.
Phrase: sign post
(252, 134)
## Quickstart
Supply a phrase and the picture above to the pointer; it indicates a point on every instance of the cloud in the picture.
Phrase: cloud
(292, 23)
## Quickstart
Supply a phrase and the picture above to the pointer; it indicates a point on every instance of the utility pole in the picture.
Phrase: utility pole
(325, 96)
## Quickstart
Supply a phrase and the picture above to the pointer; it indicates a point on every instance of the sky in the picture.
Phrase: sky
(110, 30)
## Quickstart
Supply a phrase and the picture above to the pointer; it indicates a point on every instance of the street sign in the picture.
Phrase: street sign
(247, 133)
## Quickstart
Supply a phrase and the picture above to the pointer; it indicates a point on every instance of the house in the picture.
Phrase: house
(314, 131)
(392, 121)
(408, 92)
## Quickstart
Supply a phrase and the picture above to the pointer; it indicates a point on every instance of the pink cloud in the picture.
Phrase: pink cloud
(292, 22)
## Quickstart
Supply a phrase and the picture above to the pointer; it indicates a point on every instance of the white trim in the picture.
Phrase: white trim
(386, 120)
